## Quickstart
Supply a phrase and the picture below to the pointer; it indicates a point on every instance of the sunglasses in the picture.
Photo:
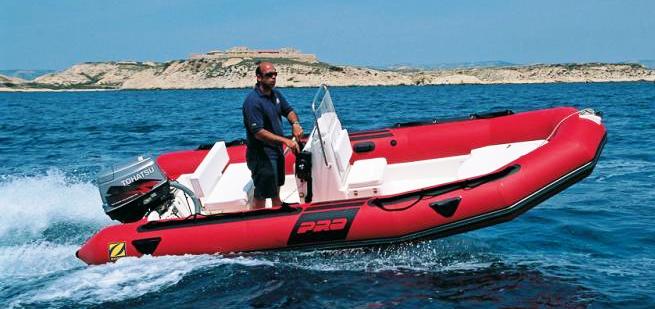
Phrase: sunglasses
(270, 74)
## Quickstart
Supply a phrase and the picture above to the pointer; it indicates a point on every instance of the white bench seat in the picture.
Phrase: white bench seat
(208, 173)
(366, 177)
(366, 173)
(232, 191)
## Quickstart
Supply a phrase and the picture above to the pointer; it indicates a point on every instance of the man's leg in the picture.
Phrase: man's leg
(270, 178)
(276, 199)
(278, 163)
(259, 203)
(264, 178)
(267, 186)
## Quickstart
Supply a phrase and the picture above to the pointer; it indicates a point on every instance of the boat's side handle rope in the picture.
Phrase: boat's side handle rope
(580, 112)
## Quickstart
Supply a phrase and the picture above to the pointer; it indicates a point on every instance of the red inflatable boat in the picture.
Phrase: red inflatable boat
(411, 181)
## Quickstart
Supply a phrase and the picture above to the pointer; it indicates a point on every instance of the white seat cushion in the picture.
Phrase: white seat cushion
(366, 173)
(209, 170)
(231, 191)
(487, 159)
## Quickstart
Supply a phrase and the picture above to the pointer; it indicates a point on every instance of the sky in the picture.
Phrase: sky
(54, 35)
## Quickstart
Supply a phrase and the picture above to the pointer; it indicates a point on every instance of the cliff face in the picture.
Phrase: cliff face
(213, 73)
(239, 72)
(10, 80)
(8, 83)
(590, 72)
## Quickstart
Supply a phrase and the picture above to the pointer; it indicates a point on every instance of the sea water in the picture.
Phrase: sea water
(591, 245)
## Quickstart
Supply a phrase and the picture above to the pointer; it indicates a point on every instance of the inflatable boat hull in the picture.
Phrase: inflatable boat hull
(573, 148)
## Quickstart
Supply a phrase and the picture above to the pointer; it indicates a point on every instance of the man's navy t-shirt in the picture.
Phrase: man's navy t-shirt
(264, 112)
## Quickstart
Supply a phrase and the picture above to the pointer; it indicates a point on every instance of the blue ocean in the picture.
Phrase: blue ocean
(592, 245)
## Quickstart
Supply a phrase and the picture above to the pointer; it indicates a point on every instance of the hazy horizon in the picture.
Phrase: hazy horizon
(38, 36)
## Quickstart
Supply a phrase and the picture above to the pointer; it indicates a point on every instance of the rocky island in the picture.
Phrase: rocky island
(234, 68)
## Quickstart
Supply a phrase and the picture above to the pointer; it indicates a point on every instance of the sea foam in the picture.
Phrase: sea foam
(30, 205)
(127, 278)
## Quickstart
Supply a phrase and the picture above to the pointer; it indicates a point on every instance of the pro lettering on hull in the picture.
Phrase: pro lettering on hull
(324, 226)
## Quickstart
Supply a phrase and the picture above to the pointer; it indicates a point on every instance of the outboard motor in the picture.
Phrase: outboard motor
(129, 191)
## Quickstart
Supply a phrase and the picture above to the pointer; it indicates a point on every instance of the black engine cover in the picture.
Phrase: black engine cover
(304, 166)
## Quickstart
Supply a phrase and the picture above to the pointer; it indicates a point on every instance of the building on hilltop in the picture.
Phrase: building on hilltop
(245, 52)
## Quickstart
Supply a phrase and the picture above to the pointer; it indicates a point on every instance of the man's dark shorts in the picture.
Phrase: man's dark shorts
(267, 174)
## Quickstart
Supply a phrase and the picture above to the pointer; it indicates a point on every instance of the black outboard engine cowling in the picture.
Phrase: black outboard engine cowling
(304, 172)
(129, 191)
(304, 166)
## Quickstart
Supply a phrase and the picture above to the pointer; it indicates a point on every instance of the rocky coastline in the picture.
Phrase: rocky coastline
(237, 72)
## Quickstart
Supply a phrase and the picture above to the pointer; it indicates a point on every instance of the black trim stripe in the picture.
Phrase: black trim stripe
(218, 219)
(483, 115)
(316, 208)
(361, 199)
(247, 215)
(357, 201)
(369, 132)
(359, 138)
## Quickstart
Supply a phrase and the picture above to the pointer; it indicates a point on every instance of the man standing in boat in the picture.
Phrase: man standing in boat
(263, 109)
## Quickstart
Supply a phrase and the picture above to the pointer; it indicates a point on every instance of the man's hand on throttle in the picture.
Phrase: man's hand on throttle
(291, 144)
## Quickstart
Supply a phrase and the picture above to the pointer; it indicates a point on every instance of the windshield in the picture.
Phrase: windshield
(325, 116)
(324, 101)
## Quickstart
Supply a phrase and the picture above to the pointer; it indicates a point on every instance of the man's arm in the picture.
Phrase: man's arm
(267, 136)
(287, 111)
(296, 129)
